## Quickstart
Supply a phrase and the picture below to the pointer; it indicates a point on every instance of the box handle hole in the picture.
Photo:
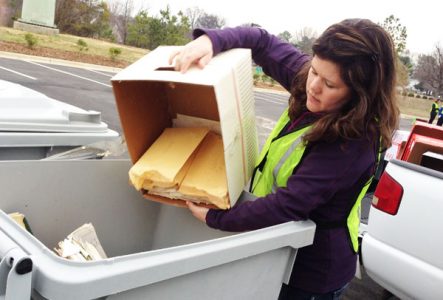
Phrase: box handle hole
(165, 69)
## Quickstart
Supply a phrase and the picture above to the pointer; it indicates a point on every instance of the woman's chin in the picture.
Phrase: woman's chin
(312, 107)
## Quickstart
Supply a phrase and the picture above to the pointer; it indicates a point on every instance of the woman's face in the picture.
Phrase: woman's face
(325, 88)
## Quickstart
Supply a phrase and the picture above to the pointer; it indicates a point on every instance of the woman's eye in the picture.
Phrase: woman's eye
(328, 85)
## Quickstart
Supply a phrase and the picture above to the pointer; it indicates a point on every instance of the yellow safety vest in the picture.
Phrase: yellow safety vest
(279, 157)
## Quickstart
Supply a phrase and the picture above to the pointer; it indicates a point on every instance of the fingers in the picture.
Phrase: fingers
(182, 62)
(185, 62)
(198, 52)
(204, 60)
(190, 205)
(193, 208)
(172, 56)
(184, 59)
(197, 211)
(177, 56)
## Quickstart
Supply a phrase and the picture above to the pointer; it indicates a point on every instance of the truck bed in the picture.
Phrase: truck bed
(402, 252)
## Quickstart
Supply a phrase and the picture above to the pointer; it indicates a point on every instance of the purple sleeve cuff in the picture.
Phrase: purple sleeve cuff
(211, 218)
(230, 38)
(248, 215)
(216, 45)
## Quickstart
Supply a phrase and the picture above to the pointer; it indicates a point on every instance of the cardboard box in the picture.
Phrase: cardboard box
(150, 95)
(423, 137)
(419, 145)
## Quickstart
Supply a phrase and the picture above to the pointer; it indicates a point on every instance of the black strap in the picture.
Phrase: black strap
(331, 224)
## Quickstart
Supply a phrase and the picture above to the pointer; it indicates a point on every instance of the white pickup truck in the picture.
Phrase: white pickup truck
(402, 244)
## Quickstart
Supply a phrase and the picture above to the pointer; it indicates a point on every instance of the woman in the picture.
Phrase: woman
(322, 154)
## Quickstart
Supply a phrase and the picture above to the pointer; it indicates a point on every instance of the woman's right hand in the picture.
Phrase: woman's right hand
(198, 211)
(198, 52)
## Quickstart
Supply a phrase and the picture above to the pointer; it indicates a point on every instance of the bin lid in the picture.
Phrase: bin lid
(31, 119)
(25, 110)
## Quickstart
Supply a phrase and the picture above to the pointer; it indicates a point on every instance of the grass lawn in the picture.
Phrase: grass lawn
(68, 44)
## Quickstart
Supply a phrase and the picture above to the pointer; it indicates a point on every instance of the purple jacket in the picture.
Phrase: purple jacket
(322, 188)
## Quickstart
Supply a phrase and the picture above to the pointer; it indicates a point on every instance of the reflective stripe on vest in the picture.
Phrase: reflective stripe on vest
(277, 162)
(286, 156)
(273, 171)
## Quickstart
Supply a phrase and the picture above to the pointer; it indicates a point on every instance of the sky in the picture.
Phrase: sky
(423, 19)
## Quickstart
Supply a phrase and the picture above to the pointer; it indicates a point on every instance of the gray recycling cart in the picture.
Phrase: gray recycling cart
(34, 126)
(156, 251)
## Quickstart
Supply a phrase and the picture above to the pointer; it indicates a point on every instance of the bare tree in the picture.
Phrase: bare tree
(429, 70)
(10, 10)
(193, 15)
(206, 20)
(285, 36)
(252, 24)
(67, 13)
(305, 32)
(121, 15)
(304, 39)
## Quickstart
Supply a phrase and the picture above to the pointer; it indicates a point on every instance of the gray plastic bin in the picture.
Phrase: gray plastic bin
(34, 126)
(156, 251)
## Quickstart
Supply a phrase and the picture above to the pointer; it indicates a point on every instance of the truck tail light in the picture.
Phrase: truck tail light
(387, 195)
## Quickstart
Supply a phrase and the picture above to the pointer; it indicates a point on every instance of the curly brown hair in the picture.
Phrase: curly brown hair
(365, 54)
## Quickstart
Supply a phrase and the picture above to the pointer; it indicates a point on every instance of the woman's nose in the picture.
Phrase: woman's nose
(316, 85)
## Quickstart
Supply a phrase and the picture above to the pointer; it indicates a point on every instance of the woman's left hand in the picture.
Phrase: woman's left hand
(198, 211)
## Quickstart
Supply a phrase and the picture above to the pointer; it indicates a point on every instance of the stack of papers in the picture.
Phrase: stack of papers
(81, 245)
(186, 164)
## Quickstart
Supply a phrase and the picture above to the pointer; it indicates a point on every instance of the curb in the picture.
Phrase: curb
(56, 61)
(408, 117)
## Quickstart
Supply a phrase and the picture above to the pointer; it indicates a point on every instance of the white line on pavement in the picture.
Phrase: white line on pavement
(18, 73)
(67, 73)
(275, 101)
(101, 73)
(265, 123)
